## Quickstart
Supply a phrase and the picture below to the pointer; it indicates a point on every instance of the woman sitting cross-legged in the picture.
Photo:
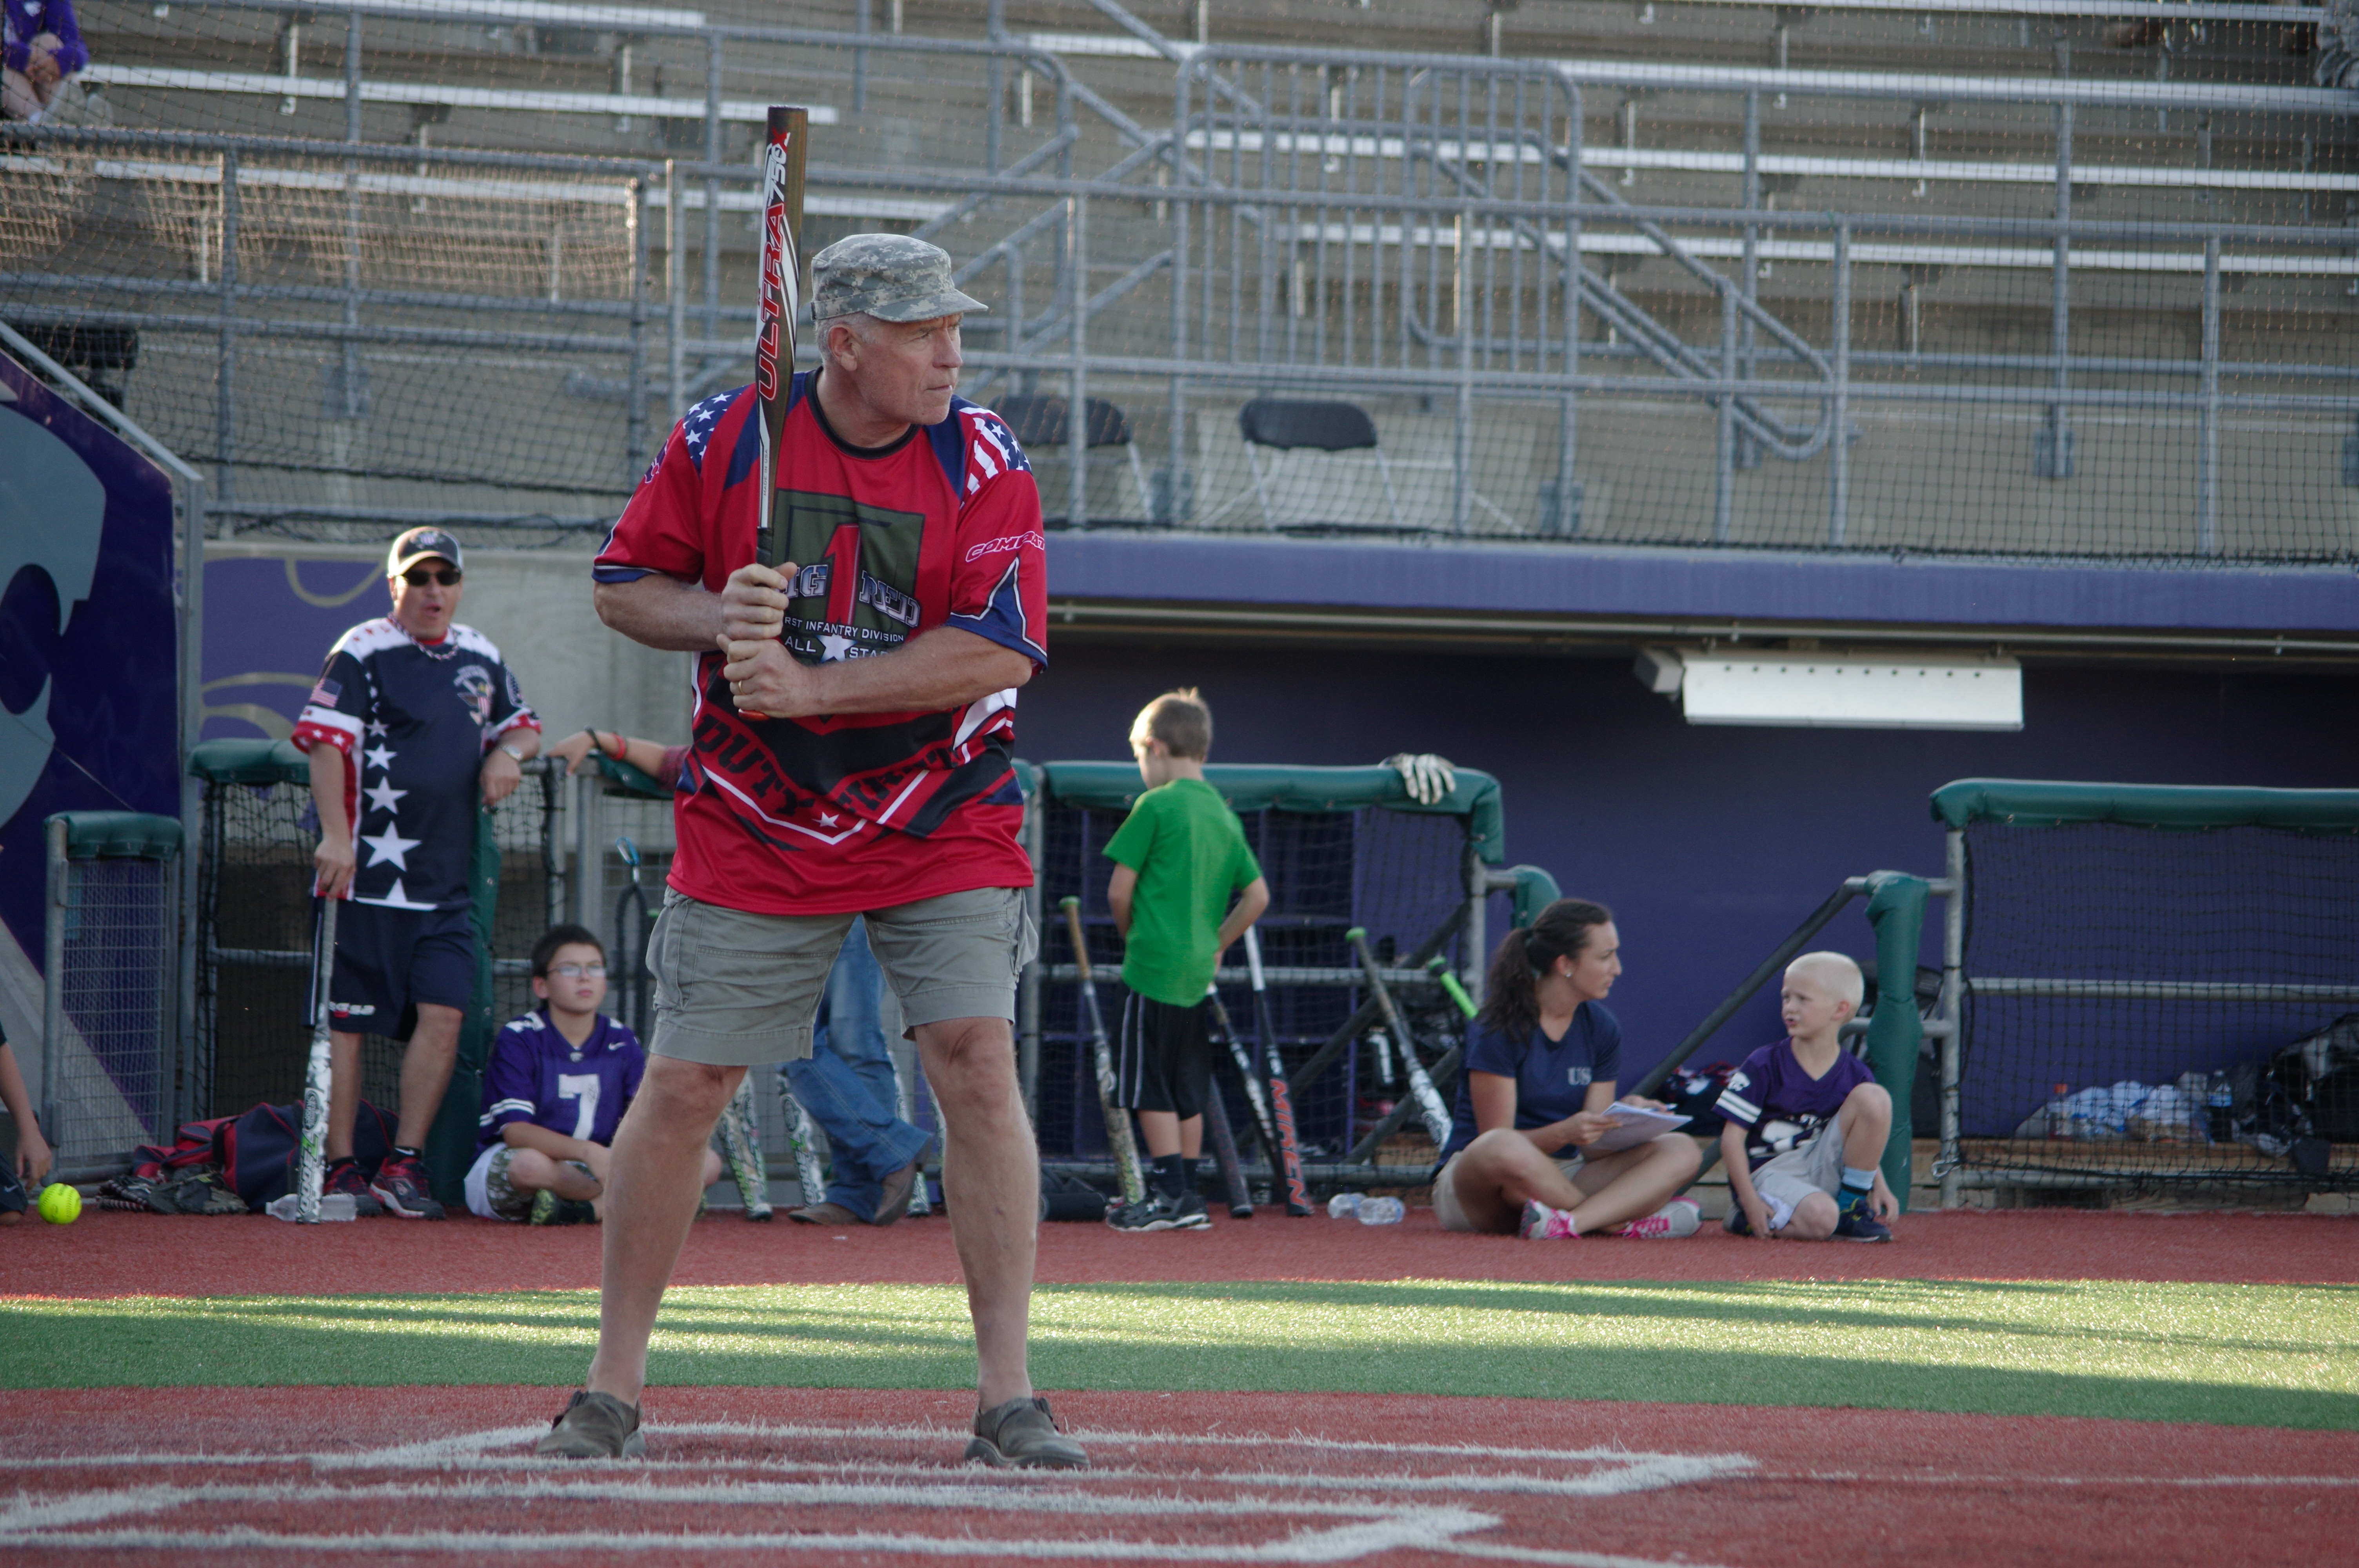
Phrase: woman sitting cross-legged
(1541, 1060)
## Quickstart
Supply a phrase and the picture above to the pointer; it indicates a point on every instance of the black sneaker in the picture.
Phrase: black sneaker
(1736, 1224)
(1858, 1223)
(1022, 1435)
(1152, 1212)
(400, 1185)
(548, 1208)
(593, 1426)
(346, 1178)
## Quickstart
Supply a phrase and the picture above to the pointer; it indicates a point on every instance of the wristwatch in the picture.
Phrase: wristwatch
(512, 752)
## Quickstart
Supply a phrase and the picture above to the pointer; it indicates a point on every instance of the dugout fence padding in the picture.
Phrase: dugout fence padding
(2138, 964)
(1340, 847)
(107, 1075)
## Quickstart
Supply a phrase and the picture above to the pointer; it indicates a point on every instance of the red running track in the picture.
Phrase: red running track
(109, 1254)
(442, 1476)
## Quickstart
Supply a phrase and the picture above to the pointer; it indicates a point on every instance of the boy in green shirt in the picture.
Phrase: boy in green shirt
(1178, 859)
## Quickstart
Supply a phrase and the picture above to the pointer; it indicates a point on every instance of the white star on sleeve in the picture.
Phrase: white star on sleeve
(382, 795)
(391, 846)
(379, 757)
(376, 726)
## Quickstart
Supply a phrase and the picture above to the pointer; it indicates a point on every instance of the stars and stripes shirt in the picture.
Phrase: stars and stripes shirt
(836, 813)
(1772, 1096)
(413, 720)
(536, 1074)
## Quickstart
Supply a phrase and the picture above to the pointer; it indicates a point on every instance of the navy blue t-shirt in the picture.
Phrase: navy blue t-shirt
(1552, 1077)
(536, 1074)
(413, 720)
(1779, 1105)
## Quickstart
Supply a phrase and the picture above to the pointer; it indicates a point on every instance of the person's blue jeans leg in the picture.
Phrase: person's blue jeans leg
(846, 1083)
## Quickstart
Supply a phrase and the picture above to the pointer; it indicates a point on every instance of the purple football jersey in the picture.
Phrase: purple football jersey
(1781, 1107)
(536, 1074)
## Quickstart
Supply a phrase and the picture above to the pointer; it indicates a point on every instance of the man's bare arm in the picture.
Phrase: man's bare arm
(662, 612)
(941, 669)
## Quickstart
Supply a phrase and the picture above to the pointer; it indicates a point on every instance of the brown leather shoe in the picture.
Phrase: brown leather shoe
(593, 1426)
(824, 1213)
(1022, 1435)
(895, 1202)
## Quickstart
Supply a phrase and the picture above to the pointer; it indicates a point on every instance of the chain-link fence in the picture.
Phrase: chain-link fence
(1857, 277)
(107, 1071)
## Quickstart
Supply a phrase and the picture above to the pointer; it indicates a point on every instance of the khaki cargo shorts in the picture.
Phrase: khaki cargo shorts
(735, 990)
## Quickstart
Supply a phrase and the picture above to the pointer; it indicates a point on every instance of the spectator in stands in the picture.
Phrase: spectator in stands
(30, 1169)
(1542, 1060)
(422, 706)
(1805, 1122)
(2335, 62)
(41, 47)
(554, 1091)
(846, 1083)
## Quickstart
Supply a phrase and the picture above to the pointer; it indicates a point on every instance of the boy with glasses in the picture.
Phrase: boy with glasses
(554, 1091)
(415, 719)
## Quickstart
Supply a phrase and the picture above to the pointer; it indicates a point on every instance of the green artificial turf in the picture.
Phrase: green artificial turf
(2268, 1355)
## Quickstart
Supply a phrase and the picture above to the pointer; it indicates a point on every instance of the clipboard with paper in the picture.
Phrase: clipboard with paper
(1634, 1125)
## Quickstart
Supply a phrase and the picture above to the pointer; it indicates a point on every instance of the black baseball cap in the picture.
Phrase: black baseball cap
(418, 545)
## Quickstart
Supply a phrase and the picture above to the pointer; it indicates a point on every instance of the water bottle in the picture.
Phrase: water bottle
(2060, 1115)
(2084, 1122)
(333, 1205)
(1343, 1205)
(1382, 1211)
(2220, 1111)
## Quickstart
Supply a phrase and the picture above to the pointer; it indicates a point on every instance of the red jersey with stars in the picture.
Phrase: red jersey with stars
(836, 813)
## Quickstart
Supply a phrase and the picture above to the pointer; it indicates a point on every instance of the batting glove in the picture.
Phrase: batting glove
(1428, 776)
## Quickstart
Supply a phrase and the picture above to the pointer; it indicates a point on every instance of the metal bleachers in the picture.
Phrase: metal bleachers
(1962, 276)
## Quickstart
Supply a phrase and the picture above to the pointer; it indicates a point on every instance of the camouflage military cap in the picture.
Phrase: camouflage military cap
(890, 276)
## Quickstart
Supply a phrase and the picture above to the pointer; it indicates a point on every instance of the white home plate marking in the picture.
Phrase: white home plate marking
(1298, 1498)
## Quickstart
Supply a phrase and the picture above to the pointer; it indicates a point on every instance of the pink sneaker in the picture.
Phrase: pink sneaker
(1678, 1218)
(1542, 1223)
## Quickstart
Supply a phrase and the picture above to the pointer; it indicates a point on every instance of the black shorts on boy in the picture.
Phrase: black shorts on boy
(1163, 1060)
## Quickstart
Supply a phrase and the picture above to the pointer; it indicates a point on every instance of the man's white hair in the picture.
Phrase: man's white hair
(1836, 972)
(863, 327)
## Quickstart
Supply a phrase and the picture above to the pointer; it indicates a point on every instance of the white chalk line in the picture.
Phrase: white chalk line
(1379, 1524)
(1906, 1479)
(1430, 1529)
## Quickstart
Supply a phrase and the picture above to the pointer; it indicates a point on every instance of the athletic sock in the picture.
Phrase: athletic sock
(1856, 1186)
(340, 1162)
(401, 1153)
(1171, 1175)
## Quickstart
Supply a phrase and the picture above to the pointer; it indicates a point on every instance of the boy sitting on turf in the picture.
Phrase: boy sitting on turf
(1178, 857)
(554, 1091)
(1806, 1123)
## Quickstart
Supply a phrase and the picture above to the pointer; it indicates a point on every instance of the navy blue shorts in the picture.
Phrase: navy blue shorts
(390, 960)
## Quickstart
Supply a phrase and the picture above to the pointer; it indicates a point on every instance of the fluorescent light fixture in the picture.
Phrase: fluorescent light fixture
(1838, 690)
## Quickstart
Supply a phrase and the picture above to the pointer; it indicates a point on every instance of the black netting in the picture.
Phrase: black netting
(2131, 995)
(111, 1081)
(255, 940)
(1399, 875)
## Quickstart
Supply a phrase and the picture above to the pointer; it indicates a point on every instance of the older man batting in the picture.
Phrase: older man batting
(851, 751)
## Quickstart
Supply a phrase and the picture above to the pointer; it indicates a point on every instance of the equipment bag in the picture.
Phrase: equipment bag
(257, 1152)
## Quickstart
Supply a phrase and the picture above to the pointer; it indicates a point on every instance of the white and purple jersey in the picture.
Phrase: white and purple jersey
(536, 1074)
(413, 720)
(1779, 1105)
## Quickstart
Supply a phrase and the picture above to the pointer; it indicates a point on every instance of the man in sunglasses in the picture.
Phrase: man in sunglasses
(414, 719)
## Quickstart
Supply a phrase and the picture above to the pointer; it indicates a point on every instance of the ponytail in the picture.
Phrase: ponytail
(1511, 1000)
